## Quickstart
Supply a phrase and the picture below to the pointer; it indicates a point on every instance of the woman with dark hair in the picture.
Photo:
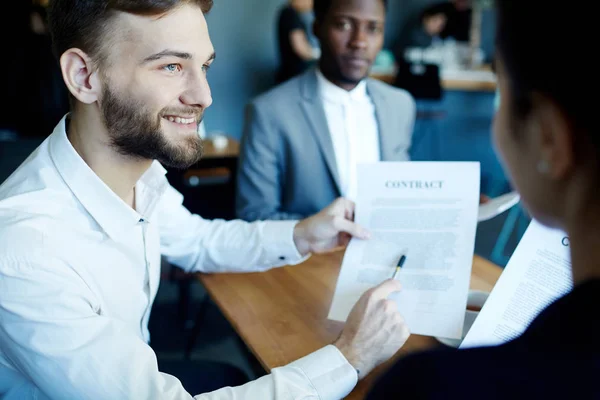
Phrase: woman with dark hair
(296, 52)
(545, 132)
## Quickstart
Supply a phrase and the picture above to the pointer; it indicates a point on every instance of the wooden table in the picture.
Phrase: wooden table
(467, 85)
(282, 314)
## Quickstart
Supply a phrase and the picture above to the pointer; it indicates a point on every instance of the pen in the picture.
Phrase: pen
(399, 266)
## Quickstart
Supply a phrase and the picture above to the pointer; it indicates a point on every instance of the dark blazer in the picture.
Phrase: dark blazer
(287, 165)
(558, 357)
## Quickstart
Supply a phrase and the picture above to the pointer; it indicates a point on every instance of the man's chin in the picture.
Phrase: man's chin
(184, 154)
(353, 78)
(179, 162)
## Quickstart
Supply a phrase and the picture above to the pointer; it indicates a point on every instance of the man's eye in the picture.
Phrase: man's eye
(172, 68)
(205, 68)
(344, 25)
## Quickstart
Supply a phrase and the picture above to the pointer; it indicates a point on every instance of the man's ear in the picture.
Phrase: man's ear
(80, 76)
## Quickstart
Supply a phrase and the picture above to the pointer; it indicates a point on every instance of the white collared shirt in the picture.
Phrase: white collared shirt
(353, 128)
(79, 270)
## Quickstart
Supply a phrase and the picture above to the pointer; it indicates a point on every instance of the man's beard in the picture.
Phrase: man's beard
(137, 133)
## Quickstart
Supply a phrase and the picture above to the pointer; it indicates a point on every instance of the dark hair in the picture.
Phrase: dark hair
(544, 48)
(84, 23)
(321, 7)
(41, 10)
(436, 9)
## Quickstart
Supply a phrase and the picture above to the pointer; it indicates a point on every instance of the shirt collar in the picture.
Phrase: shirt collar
(336, 94)
(113, 215)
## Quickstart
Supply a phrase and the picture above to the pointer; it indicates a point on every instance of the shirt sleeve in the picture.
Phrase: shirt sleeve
(322, 375)
(196, 244)
(54, 332)
(290, 20)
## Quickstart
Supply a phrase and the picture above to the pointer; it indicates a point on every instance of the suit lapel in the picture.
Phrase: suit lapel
(315, 115)
(388, 138)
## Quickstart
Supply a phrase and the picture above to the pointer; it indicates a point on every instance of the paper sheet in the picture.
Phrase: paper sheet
(427, 210)
(537, 274)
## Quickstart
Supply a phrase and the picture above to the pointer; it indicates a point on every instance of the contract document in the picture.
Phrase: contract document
(427, 212)
(538, 273)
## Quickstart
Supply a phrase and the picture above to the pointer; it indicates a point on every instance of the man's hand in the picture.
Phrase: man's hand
(332, 227)
(374, 331)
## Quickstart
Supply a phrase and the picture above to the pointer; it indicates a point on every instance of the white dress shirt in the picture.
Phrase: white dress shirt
(79, 270)
(353, 128)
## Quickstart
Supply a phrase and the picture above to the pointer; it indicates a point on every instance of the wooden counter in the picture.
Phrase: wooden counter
(451, 83)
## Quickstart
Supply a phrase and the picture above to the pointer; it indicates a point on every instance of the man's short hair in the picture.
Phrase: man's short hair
(85, 24)
(321, 7)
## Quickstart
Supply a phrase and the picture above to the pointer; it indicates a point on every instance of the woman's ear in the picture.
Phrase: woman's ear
(555, 137)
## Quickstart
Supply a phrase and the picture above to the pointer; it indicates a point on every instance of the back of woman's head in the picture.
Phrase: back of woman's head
(546, 48)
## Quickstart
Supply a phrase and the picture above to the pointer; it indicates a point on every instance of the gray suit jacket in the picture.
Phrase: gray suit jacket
(287, 166)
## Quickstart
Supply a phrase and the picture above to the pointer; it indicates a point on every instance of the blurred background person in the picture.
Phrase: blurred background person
(423, 31)
(15, 28)
(38, 96)
(448, 19)
(436, 23)
(47, 96)
(298, 48)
